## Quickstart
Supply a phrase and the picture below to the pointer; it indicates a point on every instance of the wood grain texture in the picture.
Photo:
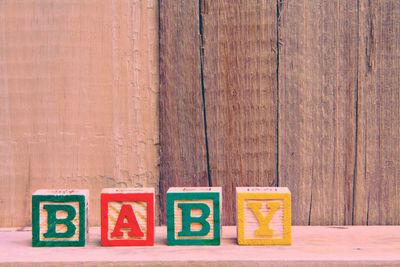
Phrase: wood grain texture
(377, 184)
(317, 108)
(78, 99)
(306, 97)
(182, 135)
(312, 246)
(239, 76)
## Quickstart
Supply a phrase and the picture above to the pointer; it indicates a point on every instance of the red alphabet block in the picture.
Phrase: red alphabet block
(127, 217)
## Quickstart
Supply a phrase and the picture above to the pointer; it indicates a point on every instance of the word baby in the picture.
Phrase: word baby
(60, 217)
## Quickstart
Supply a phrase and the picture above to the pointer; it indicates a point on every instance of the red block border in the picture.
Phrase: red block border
(108, 197)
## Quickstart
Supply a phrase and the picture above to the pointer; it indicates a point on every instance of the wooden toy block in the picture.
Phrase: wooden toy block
(194, 216)
(127, 217)
(264, 216)
(59, 218)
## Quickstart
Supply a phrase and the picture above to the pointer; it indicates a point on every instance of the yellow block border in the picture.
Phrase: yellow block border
(287, 218)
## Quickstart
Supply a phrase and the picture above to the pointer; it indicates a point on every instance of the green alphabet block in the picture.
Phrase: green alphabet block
(194, 216)
(59, 218)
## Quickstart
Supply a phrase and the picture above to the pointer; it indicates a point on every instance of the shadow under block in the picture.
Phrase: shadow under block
(263, 216)
(60, 218)
(127, 217)
(194, 216)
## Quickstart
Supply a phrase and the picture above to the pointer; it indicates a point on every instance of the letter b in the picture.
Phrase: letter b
(53, 221)
(188, 220)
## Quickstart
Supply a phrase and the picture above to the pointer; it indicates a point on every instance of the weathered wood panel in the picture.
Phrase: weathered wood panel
(182, 136)
(78, 99)
(377, 187)
(321, 104)
(317, 110)
(240, 60)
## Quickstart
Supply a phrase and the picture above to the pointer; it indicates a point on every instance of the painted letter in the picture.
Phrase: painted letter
(53, 221)
(264, 228)
(187, 219)
(131, 223)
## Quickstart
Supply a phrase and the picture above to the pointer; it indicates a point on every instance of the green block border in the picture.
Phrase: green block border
(171, 197)
(36, 199)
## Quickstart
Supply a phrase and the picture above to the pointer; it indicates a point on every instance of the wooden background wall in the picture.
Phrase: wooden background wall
(295, 93)
(78, 99)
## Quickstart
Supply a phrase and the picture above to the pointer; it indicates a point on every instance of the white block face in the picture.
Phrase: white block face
(127, 190)
(140, 211)
(57, 192)
(262, 190)
(195, 189)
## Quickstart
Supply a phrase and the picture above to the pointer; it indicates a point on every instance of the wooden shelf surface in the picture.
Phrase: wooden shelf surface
(312, 246)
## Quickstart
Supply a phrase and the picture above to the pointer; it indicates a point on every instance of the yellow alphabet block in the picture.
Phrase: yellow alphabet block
(264, 216)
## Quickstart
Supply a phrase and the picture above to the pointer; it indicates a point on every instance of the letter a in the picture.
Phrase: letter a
(132, 223)
(264, 228)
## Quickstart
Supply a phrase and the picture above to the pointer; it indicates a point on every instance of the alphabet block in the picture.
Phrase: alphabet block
(193, 216)
(264, 216)
(127, 217)
(59, 218)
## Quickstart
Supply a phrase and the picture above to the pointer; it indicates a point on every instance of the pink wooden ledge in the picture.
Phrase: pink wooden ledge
(312, 246)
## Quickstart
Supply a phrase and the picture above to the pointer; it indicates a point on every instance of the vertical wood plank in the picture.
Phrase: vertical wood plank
(182, 137)
(239, 49)
(78, 99)
(377, 187)
(317, 108)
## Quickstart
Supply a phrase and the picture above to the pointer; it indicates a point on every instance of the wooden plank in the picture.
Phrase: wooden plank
(182, 137)
(377, 187)
(239, 41)
(78, 99)
(317, 108)
(312, 246)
